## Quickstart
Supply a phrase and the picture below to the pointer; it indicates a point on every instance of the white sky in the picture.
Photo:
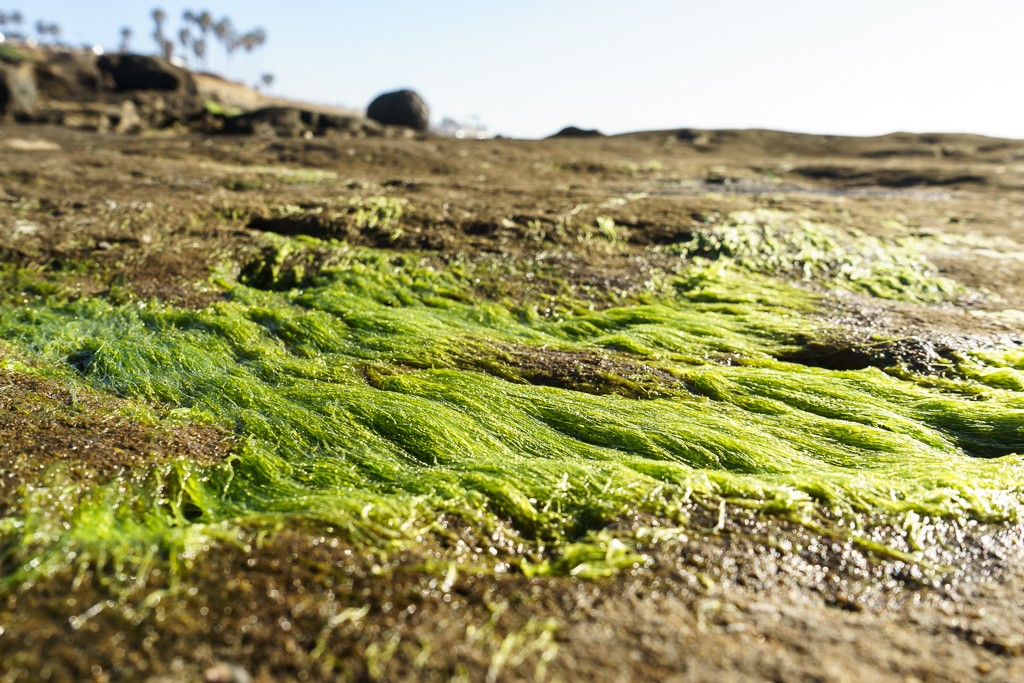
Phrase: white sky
(529, 68)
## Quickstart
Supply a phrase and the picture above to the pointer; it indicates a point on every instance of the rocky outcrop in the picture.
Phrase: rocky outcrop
(77, 89)
(18, 91)
(70, 77)
(283, 121)
(400, 108)
(130, 94)
(139, 72)
(294, 122)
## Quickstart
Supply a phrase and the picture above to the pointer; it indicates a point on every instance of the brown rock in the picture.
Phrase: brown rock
(129, 121)
(71, 76)
(18, 91)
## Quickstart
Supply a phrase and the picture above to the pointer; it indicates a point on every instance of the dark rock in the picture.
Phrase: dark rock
(400, 108)
(574, 132)
(139, 72)
(345, 123)
(158, 109)
(292, 122)
(283, 121)
(697, 138)
(18, 91)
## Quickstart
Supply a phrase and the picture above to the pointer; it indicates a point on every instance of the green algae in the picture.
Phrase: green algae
(998, 369)
(779, 243)
(376, 401)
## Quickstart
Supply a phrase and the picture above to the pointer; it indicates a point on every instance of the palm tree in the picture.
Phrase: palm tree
(205, 23)
(225, 33)
(247, 42)
(159, 17)
(15, 19)
(223, 30)
(126, 36)
(252, 40)
(185, 38)
(44, 29)
(267, 80)
(199, 49)
(259, 38)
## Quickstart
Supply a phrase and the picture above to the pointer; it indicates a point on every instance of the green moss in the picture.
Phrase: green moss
(378, 397)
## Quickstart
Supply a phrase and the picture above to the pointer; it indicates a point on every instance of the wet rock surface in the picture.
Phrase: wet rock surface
(733, 596)
(708, 604)
(919, 354)
(50, 431)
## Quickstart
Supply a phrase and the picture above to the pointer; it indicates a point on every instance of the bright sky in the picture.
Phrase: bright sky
(530, 67)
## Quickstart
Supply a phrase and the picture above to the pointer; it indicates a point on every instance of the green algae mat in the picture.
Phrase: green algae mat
(388, 399)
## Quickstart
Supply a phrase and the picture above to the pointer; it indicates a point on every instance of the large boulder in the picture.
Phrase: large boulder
(400, 108)
(18, 92)
(139, 72)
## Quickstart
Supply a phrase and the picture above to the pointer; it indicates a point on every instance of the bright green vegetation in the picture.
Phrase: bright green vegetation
(218, 109)
(997, 369)
(12, 54)
(779, 243)
(378, 214)
(382, 401)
